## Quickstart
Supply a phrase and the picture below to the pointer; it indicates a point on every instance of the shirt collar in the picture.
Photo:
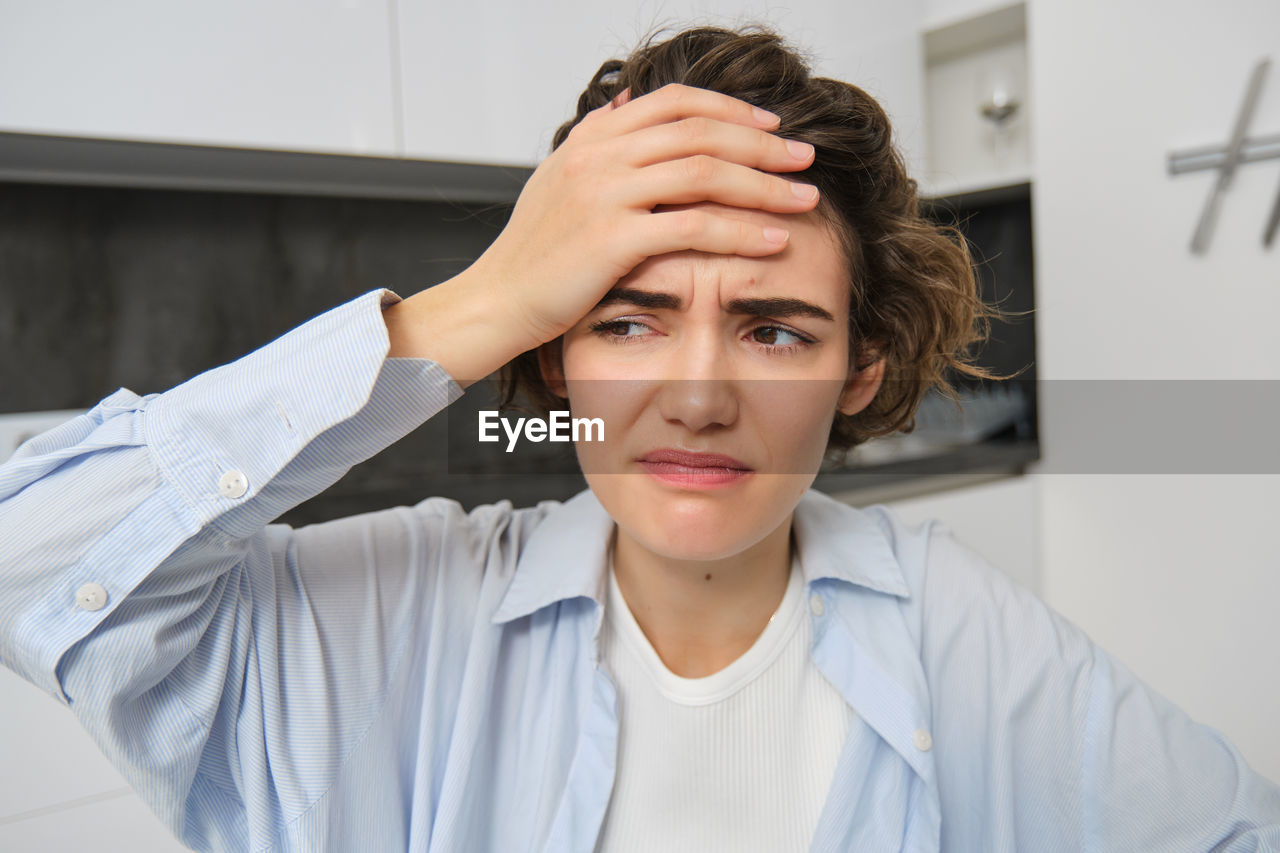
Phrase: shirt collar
(566, 555)
(866, 648)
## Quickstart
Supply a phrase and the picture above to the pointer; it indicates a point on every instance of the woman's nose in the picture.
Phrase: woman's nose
(698, 388)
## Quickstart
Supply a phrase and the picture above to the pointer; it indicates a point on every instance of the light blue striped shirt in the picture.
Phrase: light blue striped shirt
(427, 679)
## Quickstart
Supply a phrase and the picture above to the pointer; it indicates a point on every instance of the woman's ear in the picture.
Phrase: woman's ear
(861, 388)
(551, 366)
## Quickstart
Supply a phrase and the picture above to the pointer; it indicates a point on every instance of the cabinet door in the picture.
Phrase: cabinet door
(490, 84)
(307, 75)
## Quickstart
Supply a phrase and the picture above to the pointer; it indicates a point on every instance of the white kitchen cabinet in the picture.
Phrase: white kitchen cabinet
(461, 83)
(305, 75)
(488, 83)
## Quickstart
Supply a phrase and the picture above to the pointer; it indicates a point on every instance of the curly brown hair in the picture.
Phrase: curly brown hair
(913, 296)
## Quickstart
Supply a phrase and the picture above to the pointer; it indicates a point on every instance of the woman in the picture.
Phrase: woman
(698, 652)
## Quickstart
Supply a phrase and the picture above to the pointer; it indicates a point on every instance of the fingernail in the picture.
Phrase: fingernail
(765, 117)
(807, 192)
(799, 150)
(775, 235)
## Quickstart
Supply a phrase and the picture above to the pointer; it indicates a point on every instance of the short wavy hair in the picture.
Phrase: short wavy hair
(913, 296)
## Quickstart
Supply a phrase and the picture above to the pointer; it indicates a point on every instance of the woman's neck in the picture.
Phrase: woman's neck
(702, 615)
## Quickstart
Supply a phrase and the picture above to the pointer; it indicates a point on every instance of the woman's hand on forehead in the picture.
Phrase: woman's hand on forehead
(751, 216)
(677, 169)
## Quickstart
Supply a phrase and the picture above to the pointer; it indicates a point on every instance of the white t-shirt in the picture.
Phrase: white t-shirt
(741, 759)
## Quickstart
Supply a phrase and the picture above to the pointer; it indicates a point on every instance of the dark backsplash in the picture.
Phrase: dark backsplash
(999, 237)
(105, 288)
(102, 288)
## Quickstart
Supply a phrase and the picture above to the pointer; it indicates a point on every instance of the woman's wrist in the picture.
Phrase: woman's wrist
(459, 324)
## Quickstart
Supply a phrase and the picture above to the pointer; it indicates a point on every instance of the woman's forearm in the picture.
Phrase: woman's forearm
(458, 325)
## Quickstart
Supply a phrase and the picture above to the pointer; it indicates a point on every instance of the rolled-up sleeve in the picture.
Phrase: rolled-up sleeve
(145, 587)
(1045, 741)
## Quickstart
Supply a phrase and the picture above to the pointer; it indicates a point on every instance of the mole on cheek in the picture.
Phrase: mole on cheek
(708, 577)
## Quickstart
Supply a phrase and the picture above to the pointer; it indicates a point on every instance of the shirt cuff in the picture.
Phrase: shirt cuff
(223, 438)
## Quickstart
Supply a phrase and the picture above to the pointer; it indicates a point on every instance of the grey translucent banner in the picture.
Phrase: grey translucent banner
(779, 426)
(1177, 426)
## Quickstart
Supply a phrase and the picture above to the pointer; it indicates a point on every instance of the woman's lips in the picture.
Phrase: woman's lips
(693, 459)
(694, 470)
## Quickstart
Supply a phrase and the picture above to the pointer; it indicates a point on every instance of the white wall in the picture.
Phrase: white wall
(1177, 575)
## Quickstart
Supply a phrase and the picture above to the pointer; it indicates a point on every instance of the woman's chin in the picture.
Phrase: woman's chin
(692, 530)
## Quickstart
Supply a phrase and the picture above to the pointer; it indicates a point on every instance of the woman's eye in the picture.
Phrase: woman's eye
(773, 339)
(618, 328)
(770, 336)
(623, 328)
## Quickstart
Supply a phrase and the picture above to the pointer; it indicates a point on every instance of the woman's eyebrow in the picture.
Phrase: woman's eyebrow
(769, 306)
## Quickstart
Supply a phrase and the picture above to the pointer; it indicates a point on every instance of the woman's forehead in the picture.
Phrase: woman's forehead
(811, 263)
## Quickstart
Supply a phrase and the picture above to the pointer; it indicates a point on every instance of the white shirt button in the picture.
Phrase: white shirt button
(91, 596)
(233, 484)
(816, 605)
(923, 741)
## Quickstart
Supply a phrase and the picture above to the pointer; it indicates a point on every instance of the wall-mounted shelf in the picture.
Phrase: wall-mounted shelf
(977, 127)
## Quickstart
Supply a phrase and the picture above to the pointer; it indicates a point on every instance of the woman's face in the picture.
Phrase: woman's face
(713, 354)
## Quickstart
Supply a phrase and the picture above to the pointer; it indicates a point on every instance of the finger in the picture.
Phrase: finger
(705, 178)
(609, 106)
(704, 230)
(748, 146)
(586, 127)
(675, 101)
